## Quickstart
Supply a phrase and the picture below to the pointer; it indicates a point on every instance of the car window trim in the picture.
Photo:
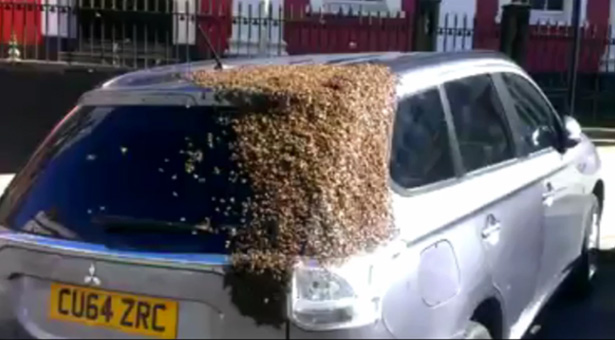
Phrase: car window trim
(507, 97)
(459, 169)
(409, 192)
(503, 115)
(460, 173)
(507, 121)
(454, 149)
(535, 181)
(510, 111)
(455, 75)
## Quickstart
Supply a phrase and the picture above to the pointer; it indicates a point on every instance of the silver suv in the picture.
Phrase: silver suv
(496, 197)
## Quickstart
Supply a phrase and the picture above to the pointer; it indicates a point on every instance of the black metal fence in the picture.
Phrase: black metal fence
(456, 32)
(143, 33)
(127, 34)
(136, 34)
(123, 34)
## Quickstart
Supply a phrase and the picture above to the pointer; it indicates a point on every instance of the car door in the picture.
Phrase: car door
(508, 212)
(541, 136)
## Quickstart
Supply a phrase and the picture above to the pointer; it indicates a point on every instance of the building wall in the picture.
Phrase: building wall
(467, 7)
(329, 33)
(600, 11)
(456, 14)
(592, 11)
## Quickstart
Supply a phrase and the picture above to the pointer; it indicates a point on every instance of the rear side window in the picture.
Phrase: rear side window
(537, 123)
(480, 122)
(421, 152)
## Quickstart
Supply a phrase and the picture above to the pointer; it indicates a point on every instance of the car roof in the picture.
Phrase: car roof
(399, 62)
(169, 85)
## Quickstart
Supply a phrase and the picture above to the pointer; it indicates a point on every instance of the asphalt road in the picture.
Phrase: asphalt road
(593, 317)
(589, 318)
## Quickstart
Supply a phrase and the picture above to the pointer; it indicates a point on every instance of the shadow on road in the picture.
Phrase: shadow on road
(590, 318)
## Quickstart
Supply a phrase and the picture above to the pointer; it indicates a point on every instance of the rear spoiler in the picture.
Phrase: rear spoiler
(187, 96)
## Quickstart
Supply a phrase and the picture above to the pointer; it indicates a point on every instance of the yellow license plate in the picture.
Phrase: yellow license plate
(128, 313)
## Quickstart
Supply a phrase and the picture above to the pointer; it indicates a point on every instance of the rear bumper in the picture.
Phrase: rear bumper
(212, 302)
(14, 327)
(209, 306)
(10, 327)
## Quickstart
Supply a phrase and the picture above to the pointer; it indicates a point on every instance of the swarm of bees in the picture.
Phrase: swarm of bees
(313, 141)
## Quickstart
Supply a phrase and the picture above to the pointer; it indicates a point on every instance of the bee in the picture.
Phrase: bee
(311, 141)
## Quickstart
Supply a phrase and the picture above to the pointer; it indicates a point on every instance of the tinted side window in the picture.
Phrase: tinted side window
(421, 151)
(537, 124)
(480, 122)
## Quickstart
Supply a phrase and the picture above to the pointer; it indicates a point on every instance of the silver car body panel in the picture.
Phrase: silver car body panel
(435, 274)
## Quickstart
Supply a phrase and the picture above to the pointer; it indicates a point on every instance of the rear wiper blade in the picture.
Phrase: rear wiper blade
(118, 224)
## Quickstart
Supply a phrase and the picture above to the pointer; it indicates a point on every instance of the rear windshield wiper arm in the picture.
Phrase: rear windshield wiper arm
(118, 224)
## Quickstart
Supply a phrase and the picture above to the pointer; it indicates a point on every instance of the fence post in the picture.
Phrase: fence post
(425, 32)
(263, 22)
(515, 30)
(574, 57)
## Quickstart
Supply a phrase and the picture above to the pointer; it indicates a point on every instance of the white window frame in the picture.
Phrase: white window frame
(549, 10)
(366, 6)
(538, 16)
(561, 17)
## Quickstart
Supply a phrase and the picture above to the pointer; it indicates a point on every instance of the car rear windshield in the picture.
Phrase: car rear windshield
(140, 178)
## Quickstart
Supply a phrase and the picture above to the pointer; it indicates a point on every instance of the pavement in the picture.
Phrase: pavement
(607, 156)
(589, 318)
(605, 139)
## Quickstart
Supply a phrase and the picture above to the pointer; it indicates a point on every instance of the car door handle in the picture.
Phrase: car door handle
(548, 194)
(492, 226)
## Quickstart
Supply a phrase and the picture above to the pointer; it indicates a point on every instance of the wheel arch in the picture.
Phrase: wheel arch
(598, 191)
(490, 314)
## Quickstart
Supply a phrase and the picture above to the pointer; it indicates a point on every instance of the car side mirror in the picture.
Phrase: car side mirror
(574, 132)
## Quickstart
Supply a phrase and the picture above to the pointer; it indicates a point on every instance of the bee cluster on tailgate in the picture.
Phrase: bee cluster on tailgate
(313, 140)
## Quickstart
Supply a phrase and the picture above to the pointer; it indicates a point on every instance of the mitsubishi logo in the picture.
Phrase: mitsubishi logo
(91, 279)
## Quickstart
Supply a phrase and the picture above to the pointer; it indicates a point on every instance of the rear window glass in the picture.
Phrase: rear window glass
(133, 178)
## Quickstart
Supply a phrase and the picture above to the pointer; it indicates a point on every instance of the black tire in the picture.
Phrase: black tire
(476, 330)
(580, 283)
